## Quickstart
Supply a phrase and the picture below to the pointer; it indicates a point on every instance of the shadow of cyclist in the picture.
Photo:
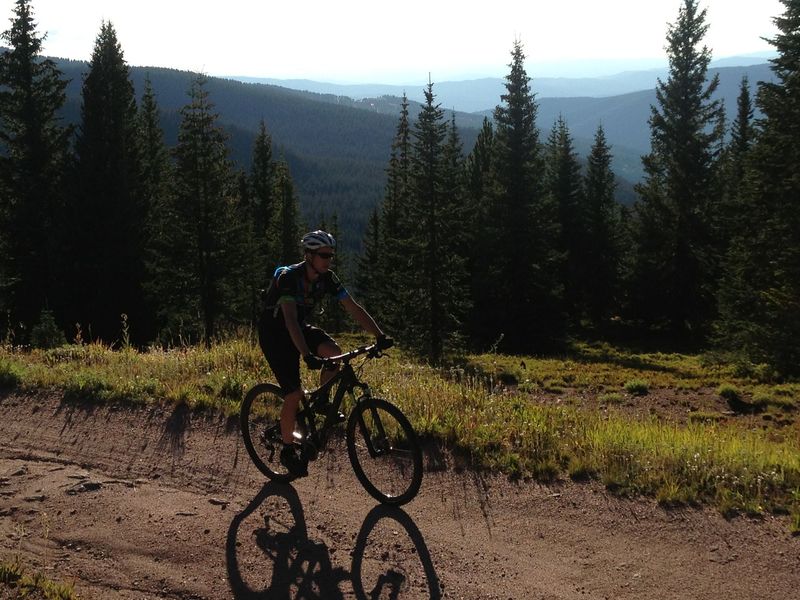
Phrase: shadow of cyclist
(393, 575)
(273, 525)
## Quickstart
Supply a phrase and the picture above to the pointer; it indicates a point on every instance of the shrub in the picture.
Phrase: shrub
(612, 398)
(729, 392)
(46, 333)
(9, 376)
(705, 417)
(637, 387)
(88, 388)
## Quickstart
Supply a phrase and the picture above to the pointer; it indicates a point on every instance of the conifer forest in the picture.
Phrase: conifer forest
(514, 244)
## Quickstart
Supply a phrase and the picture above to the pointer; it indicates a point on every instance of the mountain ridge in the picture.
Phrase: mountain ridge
(338, 147)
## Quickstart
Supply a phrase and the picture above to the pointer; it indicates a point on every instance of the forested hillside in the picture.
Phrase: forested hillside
(337, 155)
(337, 146)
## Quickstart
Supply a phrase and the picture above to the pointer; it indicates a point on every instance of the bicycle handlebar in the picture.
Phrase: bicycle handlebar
(371, 349)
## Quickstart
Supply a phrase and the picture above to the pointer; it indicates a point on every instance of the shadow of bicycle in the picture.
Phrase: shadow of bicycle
(391, 568)
(385, 565)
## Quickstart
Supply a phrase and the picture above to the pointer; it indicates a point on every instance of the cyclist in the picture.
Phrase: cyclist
(284, 335)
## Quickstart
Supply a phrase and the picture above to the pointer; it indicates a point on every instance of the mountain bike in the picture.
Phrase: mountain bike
(381, 443)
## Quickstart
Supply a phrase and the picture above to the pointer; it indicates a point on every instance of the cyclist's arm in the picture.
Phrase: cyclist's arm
(361, 316)
(293, 326)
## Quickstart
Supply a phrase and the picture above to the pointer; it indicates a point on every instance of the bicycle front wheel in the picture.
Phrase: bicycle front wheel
(261, 430)
(384, 451)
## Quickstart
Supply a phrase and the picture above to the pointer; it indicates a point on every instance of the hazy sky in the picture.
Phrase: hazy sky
(348, 41)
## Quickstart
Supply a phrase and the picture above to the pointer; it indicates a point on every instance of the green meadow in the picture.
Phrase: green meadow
(545, 419)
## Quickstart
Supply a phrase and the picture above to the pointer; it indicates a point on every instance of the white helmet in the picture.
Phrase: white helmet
(314, 240)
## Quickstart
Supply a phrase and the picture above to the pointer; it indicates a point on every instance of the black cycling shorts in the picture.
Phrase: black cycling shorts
(282, 355)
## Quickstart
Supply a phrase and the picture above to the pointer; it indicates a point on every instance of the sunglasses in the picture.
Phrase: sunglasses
(325, 255)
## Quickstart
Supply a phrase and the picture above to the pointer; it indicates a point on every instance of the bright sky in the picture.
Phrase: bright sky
(360, 41)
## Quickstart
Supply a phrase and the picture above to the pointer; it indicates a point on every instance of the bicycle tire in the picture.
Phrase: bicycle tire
(261, 431)
(384, 451)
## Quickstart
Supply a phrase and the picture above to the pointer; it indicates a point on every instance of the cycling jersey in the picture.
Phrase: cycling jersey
(289, 284)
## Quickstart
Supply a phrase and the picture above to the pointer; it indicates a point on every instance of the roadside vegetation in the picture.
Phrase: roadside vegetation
(587, 415)
(17, 581)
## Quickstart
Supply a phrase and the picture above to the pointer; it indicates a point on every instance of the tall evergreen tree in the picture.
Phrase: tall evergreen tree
(525, 285)
(286, 229)
(367, 274)
(262, 188)
(33, 155)
(107, 215)
(155, 182)
(742, 135)
(438, 283)
(604, 264)
(564, 185)
(760, 291)
(208, 266)
(479, 182)
(676, 270)
(732, 171)
(258, 195)
(387, 302)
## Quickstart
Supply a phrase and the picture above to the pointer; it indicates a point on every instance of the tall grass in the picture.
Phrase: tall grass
(705, 461)
(21, 583)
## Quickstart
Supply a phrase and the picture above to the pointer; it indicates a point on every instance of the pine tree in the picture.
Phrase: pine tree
(525, 287)
(676, 266)
(258, 195)
(604, 264)
(387, 302)
(155, 182)
(33, 156)
(286, 229)
(742, 135)
(107, 213)
(732, 170)
(207, 263)
(760, 291)
(480, 190)
(564, 185)
(367, 274)
(262, 188)
(437, 285)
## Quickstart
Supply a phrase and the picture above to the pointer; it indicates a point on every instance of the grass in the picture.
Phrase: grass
(483, 409)
(19, 582)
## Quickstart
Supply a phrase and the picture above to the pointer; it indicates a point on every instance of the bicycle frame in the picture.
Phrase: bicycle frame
(345, 381)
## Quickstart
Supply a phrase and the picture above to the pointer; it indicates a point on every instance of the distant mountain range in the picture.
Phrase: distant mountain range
(584, 104)
(477, 95)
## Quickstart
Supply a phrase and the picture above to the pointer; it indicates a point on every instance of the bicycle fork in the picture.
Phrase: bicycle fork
(374, 434)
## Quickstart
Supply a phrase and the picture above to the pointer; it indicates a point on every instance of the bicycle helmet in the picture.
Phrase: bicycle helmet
(314, 240)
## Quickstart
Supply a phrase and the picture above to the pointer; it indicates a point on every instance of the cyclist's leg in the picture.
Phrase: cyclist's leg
(291, 402)
(284, 360)
(324, 346)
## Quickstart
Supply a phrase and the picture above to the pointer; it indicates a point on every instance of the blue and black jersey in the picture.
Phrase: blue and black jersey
(290, 285)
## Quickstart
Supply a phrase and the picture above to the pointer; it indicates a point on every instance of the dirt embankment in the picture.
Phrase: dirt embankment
(160, 503)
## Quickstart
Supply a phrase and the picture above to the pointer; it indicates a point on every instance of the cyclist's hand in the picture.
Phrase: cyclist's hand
(313, 361)
(384, 342)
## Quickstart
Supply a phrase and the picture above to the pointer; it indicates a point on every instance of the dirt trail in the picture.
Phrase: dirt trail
(159, 503)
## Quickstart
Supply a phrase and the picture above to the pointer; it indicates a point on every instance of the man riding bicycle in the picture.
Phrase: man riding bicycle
(284, 335)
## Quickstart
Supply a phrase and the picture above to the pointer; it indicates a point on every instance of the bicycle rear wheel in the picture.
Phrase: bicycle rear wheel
(261, 430)
(384, 451)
